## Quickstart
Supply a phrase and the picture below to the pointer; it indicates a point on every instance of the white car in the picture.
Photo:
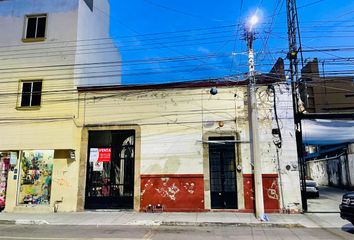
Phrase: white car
(312, 189)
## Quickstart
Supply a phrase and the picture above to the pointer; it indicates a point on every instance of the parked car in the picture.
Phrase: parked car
(312, 189)
(347, 207)
(2, 204)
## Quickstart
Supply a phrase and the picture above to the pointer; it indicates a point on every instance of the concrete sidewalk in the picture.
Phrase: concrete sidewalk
(323, 220)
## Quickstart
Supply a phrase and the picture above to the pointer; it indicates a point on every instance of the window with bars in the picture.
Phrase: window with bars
(31, 93)
(35, 26)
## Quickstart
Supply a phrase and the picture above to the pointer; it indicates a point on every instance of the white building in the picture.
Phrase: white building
(47, 49)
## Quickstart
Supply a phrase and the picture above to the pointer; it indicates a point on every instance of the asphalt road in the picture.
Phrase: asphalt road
(329, 200)
(50, 232)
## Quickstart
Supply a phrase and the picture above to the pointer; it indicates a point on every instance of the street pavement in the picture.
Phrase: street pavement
(204, 225)
(330, 198)
(131, 218)
(52, 232)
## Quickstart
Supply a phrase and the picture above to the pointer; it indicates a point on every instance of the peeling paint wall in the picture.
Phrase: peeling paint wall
(175, 122)
(337, 171)
(287, 169)
(270, 192)
(317, 170)
(173, 192)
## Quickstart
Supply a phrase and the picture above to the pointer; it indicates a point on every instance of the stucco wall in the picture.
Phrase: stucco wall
(288, 161)
(175, 122)
(317, 170)
(95, 47)
(337, 171)
(53, 124)
(26, 61)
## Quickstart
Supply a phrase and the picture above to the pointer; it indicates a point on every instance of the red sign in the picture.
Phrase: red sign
(104, 155)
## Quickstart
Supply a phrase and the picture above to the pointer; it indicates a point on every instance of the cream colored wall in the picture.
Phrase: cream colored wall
(175, 122)
(289, 182)
(54, 124)
(28, 129)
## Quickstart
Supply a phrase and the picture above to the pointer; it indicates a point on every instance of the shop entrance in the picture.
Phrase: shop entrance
(4, 169)
(222, 173)
(110, 170)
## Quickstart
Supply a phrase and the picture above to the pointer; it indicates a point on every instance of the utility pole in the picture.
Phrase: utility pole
(293, 34)
(253, 121)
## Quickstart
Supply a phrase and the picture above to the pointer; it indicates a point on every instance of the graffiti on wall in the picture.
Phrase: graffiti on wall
(173, 192)
(167, 190)
(270, 192)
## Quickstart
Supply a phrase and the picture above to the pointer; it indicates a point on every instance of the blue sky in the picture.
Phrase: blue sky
(201, 39)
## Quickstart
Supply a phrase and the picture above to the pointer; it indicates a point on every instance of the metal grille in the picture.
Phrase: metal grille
(348, 201)
(222, 173)
(113, 185)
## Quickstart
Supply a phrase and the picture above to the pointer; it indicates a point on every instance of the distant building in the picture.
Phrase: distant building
(332, 165)
(329, 144)
(323, 94)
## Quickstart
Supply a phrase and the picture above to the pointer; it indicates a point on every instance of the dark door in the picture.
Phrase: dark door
(222, 173)
(110, 170)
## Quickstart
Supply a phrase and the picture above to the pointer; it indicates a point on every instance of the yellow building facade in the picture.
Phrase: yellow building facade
(39, 75)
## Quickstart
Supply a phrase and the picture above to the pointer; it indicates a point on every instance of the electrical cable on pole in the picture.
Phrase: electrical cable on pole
(293, 34)
(253, 121)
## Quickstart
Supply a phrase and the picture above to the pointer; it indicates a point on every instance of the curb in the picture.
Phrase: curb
(23, 222)
(31, 222)
(260, 224)
(165, 223)
(7, 222)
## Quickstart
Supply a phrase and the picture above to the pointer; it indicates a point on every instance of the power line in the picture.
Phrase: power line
(179, 11)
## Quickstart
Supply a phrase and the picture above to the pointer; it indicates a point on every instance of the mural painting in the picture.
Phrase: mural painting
(36, 177)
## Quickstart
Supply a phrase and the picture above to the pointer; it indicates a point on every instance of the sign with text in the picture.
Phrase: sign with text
(100, 155)
(104, 155)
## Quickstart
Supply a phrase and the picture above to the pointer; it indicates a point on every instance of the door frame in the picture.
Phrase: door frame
(84, 160)
(206, 168)
(110, 201)
(222, 149)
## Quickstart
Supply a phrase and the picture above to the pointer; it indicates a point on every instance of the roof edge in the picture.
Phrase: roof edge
(176, 85)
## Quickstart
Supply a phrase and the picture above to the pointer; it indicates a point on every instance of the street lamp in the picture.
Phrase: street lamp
(253, 120)
(253, 21)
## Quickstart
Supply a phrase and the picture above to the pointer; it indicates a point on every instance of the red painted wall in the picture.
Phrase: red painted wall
(270, 192)
(179, 193)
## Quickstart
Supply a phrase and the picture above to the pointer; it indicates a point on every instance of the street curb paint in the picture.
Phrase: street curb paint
(31, 222)
(261, 224)
(7, 222)
(163, 223)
